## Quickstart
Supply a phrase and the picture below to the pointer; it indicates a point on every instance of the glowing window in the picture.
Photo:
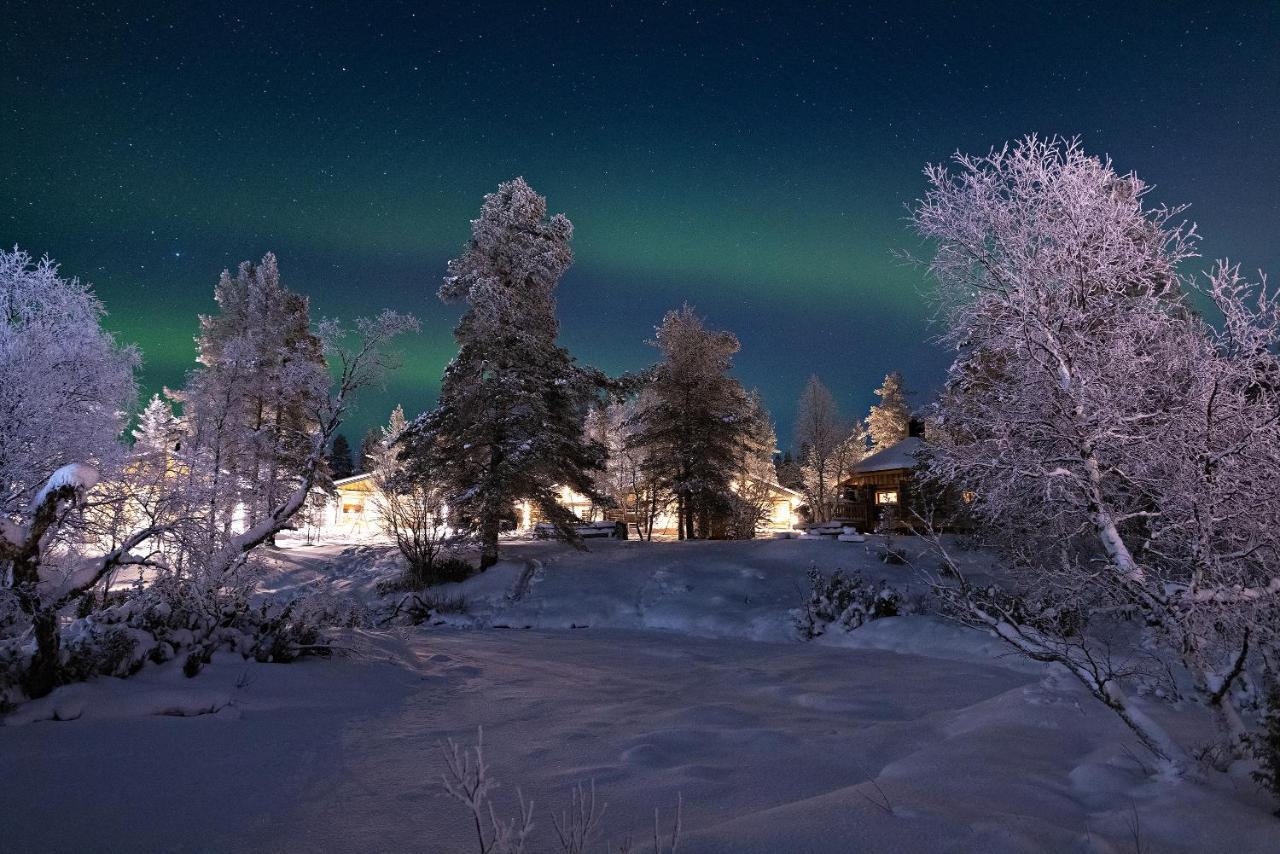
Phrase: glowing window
(887, 496)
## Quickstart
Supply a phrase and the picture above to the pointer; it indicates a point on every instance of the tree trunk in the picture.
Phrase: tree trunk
(42, 676)
(489, 542)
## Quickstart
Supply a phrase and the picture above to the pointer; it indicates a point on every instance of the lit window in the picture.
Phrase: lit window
(352, 508)
(887, 496)
(968, 496)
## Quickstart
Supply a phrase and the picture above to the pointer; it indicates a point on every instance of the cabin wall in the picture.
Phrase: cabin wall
(865, 498)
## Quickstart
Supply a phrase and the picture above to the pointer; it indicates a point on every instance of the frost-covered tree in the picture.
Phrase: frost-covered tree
(65, 388)
(694, 420)
(889, 421)
(158, 430)
(819, 430)
(410, 503)
(754, 475)
(250, 405)
(65, 384)
(509, 424)
(52, 548)
(340, 464)
(1122, 450)
(624, 480)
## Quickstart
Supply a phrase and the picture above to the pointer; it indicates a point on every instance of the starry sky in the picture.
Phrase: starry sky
(753, 159)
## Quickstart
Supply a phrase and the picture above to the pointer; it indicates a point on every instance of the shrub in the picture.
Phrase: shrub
(418, 608)
(847, 601)
(101, 651)
(415, 577)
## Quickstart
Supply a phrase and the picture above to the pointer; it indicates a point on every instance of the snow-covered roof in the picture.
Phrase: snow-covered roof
(355, 478)
(774, 486)
(899, 456)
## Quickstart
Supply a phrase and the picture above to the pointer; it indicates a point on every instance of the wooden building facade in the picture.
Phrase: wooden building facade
(879, 485)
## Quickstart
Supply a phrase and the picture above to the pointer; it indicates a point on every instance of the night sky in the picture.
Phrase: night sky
(752, 160)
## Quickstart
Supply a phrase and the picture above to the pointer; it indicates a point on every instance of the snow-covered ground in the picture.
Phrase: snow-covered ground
(656, 670)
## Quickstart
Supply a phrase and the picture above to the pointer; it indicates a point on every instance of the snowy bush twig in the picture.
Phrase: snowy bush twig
(467, 780)
(580, 824)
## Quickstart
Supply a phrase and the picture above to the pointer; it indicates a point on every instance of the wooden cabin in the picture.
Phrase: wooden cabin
(880, 483)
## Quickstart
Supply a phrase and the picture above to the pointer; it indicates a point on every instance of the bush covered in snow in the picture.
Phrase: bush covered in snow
(180, 618)
(846, 601)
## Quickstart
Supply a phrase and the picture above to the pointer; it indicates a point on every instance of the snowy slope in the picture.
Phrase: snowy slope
(914, 736)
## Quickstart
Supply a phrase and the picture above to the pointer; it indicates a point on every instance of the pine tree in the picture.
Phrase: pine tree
(509, 423)
(890, 420)
(340, 464)
(158, 428)
(694, 420)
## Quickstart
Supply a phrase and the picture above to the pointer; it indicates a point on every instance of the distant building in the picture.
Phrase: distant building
(351, 511)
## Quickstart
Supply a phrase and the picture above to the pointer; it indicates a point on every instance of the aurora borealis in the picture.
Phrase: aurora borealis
(752, 159)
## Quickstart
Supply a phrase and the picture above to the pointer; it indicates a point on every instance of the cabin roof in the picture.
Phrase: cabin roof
(777, 487)
(899, 456)
(355, 478)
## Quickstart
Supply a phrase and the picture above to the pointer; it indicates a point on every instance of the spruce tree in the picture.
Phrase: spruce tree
(158, 429)
(509, 423)
(890, 420)
(370, 448)
(340, 464)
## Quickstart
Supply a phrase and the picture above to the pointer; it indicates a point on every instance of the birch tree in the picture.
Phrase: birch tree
(48, 558)
(1120, 448)
(820, 430)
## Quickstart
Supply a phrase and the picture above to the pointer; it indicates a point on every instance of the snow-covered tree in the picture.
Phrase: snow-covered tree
(411, 505)
(1122, 450)
(250, 405)
(754, 475)
(509, 424)
(340, 464)
(623, 481)
(889, 421)
(694, 419)
(158, 430)
(51, 548)
(821, 430)
(65, 385)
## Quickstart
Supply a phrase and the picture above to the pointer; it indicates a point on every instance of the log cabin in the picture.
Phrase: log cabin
(879, 484)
